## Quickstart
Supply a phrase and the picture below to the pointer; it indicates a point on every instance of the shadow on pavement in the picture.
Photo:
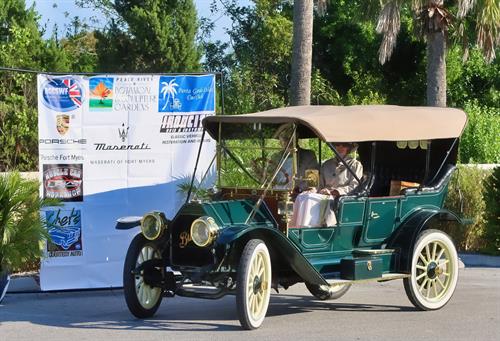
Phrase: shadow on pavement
(107, 310)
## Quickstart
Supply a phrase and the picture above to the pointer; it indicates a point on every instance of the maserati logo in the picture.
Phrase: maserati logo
(62, 124)
(123, 132)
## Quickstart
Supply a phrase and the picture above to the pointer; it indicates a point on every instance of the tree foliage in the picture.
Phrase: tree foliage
(480, 141)
(257, 62)
(21, 46)
(159, 36)
(345, 52)
(465, 197)
(473, 79)
(492, 198)
(148, 36)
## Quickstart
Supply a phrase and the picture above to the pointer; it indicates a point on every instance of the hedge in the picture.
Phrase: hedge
(466, 196)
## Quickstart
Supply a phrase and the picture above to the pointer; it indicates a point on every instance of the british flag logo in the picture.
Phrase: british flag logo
(74, 91)
(62, 93)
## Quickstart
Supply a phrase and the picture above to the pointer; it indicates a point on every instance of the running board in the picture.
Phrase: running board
(371, 252)
(201, 291)
(384, 278)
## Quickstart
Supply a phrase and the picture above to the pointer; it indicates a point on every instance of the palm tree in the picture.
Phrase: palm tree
(435, 20)
(21, 228)
(300, 84)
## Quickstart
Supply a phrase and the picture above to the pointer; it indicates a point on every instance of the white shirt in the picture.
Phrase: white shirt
(334, 175)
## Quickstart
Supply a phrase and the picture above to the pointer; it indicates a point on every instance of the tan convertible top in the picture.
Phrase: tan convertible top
(357, 123)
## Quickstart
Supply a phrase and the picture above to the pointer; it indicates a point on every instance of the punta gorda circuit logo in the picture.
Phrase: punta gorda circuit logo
(101, 94)
(62, 94)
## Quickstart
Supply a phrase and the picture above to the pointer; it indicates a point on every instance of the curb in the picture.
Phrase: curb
(477, 260)
(23, 285)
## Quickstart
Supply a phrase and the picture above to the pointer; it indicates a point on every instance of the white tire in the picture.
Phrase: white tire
(253, 284)
(434, 271)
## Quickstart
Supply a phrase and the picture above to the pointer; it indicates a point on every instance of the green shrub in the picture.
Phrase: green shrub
(22, 231)
(492, 215)
(465, 197)
(480, 141)
(18, 135)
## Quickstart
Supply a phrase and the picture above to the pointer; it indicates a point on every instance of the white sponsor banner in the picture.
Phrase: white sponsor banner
(113, 146)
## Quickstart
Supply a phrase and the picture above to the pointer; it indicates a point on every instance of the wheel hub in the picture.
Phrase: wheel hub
(257, 284)
(432, 270)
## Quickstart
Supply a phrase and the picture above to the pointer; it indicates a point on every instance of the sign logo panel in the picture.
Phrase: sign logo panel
(65, 229)
(62, 124)
(63, 181)
(101, 93)
(186, 93)
(62, 94)
(132, 133)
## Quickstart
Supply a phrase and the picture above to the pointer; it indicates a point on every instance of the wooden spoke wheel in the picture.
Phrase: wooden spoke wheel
(253, 284)
(434, 271)
(142, 299)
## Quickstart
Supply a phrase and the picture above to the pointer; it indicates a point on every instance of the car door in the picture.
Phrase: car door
(380, 219)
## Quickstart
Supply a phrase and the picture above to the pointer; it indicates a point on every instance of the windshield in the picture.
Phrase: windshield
(264, 155)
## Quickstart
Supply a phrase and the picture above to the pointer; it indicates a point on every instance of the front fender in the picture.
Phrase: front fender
(126, 223)
(280, 245)
(405, 237)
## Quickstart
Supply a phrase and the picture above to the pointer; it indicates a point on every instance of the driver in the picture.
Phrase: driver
(312, 209)
(306, 159)
(335, 179)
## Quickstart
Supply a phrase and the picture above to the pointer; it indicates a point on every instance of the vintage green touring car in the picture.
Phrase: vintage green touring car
(237, 237)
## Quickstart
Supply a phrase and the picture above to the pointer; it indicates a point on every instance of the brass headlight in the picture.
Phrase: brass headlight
(153, 224)
(204, 231)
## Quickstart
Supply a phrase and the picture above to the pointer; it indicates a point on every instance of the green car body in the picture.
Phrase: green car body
(213, 246)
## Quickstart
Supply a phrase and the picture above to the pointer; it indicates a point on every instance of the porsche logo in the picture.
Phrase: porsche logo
(62, 124)
(184, 238)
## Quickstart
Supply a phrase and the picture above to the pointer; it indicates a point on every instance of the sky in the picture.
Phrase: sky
(56, 14)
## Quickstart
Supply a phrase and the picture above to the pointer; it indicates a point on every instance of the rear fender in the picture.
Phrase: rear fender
(279, 246)
(405, 237)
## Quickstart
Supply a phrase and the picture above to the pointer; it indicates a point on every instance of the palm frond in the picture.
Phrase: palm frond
(197, 190)
(464, 7)
(488, 27)
(22, 230)
(321, 7)
(417, 5)
(389, 23)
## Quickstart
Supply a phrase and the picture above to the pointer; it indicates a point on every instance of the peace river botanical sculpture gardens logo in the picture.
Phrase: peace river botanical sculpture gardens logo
(101, 93)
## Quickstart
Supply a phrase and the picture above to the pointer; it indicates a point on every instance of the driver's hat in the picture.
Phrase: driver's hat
(285, 131)
(351, 145)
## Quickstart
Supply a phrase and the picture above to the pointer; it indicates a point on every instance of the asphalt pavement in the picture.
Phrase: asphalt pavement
(369, 311)
(29, 283)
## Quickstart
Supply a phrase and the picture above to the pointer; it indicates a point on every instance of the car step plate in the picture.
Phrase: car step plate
(371, 252)
(385, 277)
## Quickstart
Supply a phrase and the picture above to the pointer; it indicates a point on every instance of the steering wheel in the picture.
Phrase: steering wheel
(262, 164)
